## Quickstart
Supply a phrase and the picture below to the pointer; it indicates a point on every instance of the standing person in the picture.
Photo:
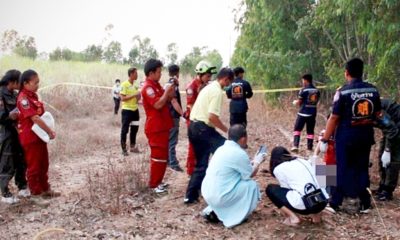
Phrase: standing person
(228, 188)
(356, 105)
(176, 112)
(35, 150)
(158, 122)
(389, 153)
(115, 93)
(204, 72)
(12, 163)
(130, 96)
(239, 91)
(307, 101)
(204, 118)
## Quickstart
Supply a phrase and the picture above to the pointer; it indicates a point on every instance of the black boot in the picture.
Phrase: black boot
(124, 150)
(310, 143)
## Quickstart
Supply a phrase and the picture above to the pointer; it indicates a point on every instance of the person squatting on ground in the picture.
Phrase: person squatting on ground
(175, 108)
(116, 97)
(228, 188)
(130, 96)
(238, 92)
(389, 164)
(158, 122)
(307, 101)
(12, 162)
(35, 149)
(356, 105)
(294, 176)
(204, 118)
(204, 72)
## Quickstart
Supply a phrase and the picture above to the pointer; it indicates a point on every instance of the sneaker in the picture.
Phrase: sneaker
(211, 217)
(159, 189)
(163, 185)
(125, 153)
(24, 193)
(38, 200)
(384, 196)
(364, 209)
(50, 194)
(295, 149)
(177, 168)
(10, 200)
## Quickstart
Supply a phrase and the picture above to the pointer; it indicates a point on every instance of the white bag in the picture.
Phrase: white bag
(49, 120)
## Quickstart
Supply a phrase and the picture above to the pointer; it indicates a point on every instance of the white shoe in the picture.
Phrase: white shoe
(10, 200)
(294, 149)
(159, 189)
(24, 193)
(163, 185)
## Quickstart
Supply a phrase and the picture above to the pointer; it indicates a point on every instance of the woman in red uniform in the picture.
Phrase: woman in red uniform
(35, 150)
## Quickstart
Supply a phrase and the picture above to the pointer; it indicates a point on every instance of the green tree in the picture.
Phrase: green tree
(189, 62)
(141, 51)
(92, 53)
(113, 53)
(26, 47)
(172, 53)
(9, 39)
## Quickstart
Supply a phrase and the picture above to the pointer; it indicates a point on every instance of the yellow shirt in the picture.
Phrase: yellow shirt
(129, 89)
(209, 101)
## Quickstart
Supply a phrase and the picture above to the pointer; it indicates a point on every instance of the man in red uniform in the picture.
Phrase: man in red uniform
(158, 122)
(204, 71)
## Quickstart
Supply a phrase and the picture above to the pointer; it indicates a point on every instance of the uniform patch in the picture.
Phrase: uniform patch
(25, 103)
(336, 97)
(150, 92)
(363, 108)
(189, 92)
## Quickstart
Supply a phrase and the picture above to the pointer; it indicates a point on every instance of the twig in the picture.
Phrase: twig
(37, 237)
(379, 213)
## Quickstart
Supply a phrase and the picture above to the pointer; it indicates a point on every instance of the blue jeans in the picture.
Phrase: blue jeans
(173, 141)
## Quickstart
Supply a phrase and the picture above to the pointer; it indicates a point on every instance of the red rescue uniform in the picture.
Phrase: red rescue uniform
(192, 91)
(158, 124)
(35, 150)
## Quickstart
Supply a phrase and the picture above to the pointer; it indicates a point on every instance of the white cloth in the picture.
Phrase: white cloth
(115, 91)
(49, 121)
(294, 175)
(227, 187)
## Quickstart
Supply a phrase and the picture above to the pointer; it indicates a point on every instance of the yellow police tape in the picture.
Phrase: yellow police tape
(183, 92)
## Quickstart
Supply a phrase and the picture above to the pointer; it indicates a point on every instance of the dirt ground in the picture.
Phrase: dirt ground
(104, 195)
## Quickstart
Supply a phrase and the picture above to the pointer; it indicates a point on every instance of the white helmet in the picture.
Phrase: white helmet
(205, 67)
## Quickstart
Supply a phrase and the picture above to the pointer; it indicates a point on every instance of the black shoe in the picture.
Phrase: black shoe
(176, 168)
(212, 217)
(384, 196)
(364, 209)
(190, 201)
(125, 153)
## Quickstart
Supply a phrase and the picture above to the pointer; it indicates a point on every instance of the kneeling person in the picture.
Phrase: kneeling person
(227, 187)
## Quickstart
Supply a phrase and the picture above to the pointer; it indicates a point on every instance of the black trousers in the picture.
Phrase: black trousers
(12, 164)
(277, 195)
(205, 140)
(117, 102)
(298, 127)
(130, 119)
(238, 118)
(390, 174)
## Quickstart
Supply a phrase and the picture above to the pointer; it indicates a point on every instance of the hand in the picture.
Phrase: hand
(186, 114)
(259, 158)
(385, 159)
(295, 102)
(323, 146)
(52, 135)
(13, 115)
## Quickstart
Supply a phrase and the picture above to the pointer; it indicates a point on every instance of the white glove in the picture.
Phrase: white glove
(385, 159)
(295, 102)
(323, 146)
(259, 158)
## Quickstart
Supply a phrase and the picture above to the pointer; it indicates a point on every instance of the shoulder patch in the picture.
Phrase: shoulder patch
(25, 103)
(150, 92)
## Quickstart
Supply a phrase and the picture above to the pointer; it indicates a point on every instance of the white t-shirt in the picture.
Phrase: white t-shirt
(294, 175)
(115, 91)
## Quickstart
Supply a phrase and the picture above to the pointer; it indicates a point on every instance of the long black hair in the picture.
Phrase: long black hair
(279, 155)
(26, 77)
(10, 76)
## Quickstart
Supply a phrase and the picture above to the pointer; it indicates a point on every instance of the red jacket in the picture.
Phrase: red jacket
(28, 105)
(192, 91)
(156, 120)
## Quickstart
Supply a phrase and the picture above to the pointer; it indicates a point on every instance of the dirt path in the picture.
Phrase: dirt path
(99, 199)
